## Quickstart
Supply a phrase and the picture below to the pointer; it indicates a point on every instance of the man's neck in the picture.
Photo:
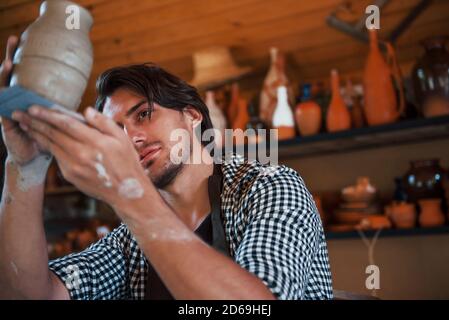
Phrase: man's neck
(188, 194)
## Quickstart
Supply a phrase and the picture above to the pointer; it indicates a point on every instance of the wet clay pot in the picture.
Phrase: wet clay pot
(54, 57)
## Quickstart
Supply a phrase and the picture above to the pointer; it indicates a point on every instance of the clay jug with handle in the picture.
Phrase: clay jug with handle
(54, 57)
(381, 103)
(338, 117)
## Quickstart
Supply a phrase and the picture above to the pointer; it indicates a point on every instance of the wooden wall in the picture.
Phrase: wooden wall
(169, 31)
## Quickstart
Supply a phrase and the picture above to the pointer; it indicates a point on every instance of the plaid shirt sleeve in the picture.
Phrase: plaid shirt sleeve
(98, 272)
(283, 243)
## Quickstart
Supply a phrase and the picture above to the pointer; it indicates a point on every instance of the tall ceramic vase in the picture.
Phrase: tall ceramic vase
(381, 104)
(275, 78)
(54, 57)
(338, 117)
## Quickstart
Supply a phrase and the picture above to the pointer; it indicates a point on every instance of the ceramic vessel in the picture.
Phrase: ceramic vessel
(338, 117)
(308, 114)
(430, 78)
(424, 180)
(216, 116)
(381, 104)
(276, 77)
(402, 214)
(431, 214)
(54, 58)
(283, 116)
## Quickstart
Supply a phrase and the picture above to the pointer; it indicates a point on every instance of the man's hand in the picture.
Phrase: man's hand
(97, 158)
(22, 150)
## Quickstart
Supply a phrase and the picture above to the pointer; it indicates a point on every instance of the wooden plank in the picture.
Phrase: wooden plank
(230, 20)
(255, 38)
(8, 4)
(306, 42)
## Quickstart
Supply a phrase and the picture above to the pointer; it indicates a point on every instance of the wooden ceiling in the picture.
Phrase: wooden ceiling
(169, 31)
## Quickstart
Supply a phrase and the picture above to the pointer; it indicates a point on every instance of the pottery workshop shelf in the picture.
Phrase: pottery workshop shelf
(408, 131)
(390, 233)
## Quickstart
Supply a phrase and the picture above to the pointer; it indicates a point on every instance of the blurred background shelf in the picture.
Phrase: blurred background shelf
(389, 233)
(408, 131)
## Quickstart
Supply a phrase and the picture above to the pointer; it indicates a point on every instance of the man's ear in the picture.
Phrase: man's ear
(193, 115)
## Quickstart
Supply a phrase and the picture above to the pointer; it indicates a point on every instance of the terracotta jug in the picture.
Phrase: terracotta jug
(381, 105)
(283, 116)
(338, 116)
(276, 77)
(431, 214)
(52, 59)
(308, 114)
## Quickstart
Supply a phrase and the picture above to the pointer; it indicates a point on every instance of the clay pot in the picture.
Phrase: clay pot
(431, 214)
(402, 214)
(308, 114)
(53, 60)
(431, 78)
(338, 117)
(381, 105)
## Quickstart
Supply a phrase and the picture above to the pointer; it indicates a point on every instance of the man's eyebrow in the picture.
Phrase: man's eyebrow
(130, 111)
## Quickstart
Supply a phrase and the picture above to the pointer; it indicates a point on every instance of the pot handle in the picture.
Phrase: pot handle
(397, 75)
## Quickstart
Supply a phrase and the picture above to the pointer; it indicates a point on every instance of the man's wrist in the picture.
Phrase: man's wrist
(30, 174)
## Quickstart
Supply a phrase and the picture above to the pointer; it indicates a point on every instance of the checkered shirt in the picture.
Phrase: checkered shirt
(272, 228)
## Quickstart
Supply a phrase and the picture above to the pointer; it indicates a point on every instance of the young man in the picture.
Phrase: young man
(189, 231)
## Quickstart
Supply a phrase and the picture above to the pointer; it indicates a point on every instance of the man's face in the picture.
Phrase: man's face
(151, 137)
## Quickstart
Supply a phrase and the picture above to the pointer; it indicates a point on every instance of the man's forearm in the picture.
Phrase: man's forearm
(24, 269)
(189, 268)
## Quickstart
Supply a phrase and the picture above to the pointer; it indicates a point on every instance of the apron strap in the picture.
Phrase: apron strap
(215, 189)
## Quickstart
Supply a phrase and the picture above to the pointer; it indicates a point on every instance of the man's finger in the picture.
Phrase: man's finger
(64, 123)
(102, 123)
(11, 46)
(44, 143)
(6, 67)
(51, 133)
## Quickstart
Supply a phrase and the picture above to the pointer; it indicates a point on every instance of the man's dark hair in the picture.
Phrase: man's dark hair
(156, 85)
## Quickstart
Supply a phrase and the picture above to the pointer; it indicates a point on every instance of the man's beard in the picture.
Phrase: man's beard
(168, 175)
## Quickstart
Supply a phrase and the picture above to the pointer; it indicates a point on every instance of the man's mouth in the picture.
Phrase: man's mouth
(148, 154)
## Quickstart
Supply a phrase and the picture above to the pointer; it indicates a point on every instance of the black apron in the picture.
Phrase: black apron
(210, 231)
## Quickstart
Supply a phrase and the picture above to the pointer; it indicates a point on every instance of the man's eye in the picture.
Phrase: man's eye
(143, 115)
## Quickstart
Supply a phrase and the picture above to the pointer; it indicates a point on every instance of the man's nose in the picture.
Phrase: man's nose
(137, 137)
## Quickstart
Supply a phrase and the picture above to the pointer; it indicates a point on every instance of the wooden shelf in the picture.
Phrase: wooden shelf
(407, 131)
